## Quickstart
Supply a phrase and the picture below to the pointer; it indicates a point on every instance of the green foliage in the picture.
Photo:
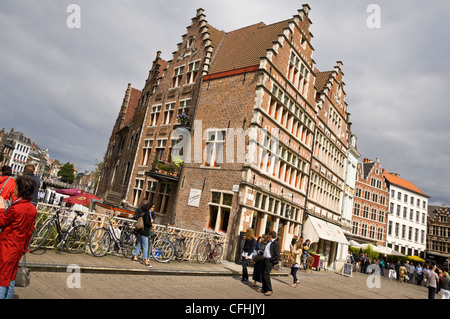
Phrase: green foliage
(67, 173)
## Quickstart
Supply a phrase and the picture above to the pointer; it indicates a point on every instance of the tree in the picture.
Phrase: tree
(67, 173)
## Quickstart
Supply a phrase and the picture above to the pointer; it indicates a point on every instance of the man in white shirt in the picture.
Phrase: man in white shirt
(270, 259)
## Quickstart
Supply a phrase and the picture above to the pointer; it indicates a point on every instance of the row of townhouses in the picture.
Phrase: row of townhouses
(241, 129)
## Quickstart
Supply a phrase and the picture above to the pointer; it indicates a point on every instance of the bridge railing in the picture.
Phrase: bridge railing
(95, 220)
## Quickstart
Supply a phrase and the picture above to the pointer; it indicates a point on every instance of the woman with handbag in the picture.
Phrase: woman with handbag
(143, 232)
(296, 253)
(247, 251)
(18, 225)
(258, 262)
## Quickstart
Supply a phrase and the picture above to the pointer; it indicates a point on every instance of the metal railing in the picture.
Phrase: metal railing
(95, 220)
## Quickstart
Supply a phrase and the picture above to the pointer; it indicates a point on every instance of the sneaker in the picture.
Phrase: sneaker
(134, 259)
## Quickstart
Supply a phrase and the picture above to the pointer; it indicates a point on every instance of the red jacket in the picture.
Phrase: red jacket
(8, 190)
(18, 225)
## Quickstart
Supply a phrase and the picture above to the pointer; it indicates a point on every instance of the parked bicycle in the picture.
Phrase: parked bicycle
(74, 238)
(210, 249)
(104, 239)
(164, 250)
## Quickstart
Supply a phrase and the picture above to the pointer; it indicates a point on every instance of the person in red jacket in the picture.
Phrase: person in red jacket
(7, 183)
(18, 225)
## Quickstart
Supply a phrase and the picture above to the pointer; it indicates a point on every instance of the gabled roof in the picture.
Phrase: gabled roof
(244, 47)
(322, 79)
(398, 181)
(133, 103)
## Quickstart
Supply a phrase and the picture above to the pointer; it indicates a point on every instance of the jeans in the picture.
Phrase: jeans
(431, 292)
(245, 262)
(294, 273)
(142, 243)
(7, 292)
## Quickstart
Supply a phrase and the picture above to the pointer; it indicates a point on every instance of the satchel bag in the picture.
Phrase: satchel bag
(23, 275)
(139, 223)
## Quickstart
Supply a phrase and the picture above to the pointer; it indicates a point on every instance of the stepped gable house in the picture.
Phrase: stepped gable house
(265, 143)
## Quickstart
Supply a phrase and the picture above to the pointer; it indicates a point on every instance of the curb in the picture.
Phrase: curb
(40, 267)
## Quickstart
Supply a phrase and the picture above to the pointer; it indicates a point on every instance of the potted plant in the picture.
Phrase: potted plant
(183, 119)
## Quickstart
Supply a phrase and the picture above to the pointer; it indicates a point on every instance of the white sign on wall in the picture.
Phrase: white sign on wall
(194, 197)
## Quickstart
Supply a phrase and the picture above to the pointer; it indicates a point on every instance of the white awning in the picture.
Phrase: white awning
(315, 228)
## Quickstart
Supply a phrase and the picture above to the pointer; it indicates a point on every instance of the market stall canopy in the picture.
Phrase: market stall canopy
(354, 244)
(316, 228)
(382, 250)
(83, 199)
(70, 191)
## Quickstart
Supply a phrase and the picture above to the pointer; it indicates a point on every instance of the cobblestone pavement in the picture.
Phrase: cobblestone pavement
(115, 277)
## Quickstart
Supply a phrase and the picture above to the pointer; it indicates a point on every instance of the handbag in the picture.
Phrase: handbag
(23, 275)
(139, 223)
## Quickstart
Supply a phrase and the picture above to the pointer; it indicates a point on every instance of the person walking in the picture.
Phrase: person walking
(444, 285)
(296, 252)
(419, 274)
(382, 266)
(258, 263)
(18, 225)
(391, 274)
(402, 272)
(432, 281)
(247, 251)
(29, 171)
(271, 257)
(397, 269)
(412, 269)
(143, 234)
(305, 252)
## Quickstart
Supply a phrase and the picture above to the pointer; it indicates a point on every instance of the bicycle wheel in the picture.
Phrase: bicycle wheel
(99, 242)
(40, 236)
(162, 250)
(180, 249)
(128, 243)
(216, 253)
(77, 239)
(203, 251)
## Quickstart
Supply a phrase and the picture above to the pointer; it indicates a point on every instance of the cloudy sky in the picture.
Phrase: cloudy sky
(63, 87)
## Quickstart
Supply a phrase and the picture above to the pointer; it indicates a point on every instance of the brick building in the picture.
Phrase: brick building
(266, 142)
(371, 204)
(438, 235)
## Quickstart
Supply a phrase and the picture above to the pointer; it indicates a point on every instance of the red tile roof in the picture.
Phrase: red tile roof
(396, 180)
(244, 47)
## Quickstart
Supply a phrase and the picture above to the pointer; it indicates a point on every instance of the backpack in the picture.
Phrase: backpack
(8, 202)
(139, 223)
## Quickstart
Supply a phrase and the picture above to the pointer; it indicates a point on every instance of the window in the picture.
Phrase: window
(214, 148)
(137, 191)
(150, 191)
(356, 210)
(355, 228)
(178, 73)
(192, 71)
(164, 194)
(160, 147)
(155, 114)
(168, 112)
(219, 211)
(390, 228)
(184, 107)
(147, 150)
(364, 230)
